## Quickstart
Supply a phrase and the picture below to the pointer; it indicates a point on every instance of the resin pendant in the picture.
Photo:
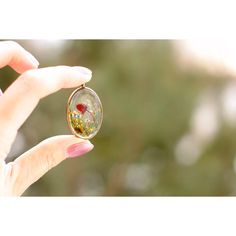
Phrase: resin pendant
(84, 113)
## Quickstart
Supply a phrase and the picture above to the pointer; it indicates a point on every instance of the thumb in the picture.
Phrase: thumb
(33, 164)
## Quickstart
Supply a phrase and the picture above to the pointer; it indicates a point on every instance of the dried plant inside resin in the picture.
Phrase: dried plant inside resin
(84, 113)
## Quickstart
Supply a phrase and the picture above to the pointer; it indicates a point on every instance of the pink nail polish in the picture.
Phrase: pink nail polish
(79, 149)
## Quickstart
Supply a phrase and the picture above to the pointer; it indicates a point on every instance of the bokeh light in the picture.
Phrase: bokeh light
(169, 118)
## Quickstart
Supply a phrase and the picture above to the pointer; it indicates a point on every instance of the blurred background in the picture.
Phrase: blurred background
(169, 125)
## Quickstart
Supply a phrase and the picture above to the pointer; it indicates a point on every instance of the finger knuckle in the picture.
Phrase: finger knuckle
(48, 161)
(14, 178)
(48, 157)
(13, 170)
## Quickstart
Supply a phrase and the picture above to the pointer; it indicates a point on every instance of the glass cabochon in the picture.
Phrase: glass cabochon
(84, 113)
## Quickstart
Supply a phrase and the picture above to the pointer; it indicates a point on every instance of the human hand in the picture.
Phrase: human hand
(17, 103)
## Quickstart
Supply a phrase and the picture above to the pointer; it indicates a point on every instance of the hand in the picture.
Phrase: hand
(17, 103)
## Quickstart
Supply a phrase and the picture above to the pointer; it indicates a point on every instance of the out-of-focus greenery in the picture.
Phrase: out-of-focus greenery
(148, 100)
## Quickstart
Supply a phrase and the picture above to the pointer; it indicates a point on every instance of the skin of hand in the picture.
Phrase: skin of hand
(22, 96)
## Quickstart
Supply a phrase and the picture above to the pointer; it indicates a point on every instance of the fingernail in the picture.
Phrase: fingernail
(83, 70)
(79, 149)
(1, 92)
(33, 60)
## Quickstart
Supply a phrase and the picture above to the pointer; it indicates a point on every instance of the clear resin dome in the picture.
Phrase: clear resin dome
(84, 113)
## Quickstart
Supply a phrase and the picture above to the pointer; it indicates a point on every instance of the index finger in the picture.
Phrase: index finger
(12, 54)
(20, 99)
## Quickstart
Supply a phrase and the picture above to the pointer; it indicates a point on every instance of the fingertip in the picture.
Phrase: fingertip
(79, 149)
(85, 72)
(28, 63)
(34, 62)
(24, 64)
(16, 57)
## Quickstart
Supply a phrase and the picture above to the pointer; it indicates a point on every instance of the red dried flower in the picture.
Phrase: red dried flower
(81, 107)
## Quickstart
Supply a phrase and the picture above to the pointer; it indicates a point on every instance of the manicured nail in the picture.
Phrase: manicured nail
(79, 149)
(1, 92)
(33, 60)
(83, 70)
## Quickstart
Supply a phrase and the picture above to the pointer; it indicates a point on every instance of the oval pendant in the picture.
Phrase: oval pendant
(84, 113)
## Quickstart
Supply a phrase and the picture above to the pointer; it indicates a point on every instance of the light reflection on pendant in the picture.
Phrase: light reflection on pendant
(84, 113)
